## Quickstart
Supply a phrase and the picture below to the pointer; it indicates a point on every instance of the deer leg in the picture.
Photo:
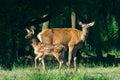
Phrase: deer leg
(70, 56)
(75, 58)
(35, 60)
(60, 64)
(57, 56)
(43, 64)
(76, 48)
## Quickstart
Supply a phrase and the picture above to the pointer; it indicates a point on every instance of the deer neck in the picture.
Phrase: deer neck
(84, 34)
(34, 43)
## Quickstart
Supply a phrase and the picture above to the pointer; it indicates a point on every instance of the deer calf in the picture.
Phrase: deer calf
(42, 49)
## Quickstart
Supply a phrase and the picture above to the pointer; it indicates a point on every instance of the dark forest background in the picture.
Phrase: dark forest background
(16, 15)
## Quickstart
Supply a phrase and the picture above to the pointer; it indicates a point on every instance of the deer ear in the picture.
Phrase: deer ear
(80, 23)
(27, 30)
(92, 23)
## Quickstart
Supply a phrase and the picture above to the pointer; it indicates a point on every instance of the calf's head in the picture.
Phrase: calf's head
(30, 34)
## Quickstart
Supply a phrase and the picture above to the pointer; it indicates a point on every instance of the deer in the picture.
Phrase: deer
(70, 37)
(42, 49)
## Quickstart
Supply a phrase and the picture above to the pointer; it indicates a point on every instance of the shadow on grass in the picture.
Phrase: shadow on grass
(88, 60)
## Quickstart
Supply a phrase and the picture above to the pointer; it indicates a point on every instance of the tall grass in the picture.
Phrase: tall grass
(83, 73)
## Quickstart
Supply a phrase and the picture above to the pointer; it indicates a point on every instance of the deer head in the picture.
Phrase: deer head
(30, 34)
(85, 26)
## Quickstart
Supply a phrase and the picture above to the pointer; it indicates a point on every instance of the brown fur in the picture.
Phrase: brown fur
(71, 37)
(42, 49)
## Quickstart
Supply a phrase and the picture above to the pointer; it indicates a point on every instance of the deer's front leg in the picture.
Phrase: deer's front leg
(35, 60)
(70, 56)
(43, 63)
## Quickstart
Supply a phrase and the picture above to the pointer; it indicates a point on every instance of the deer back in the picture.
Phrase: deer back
(66, 36)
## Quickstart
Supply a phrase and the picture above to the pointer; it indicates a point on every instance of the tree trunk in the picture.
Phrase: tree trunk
(73, 19)
(45, 24)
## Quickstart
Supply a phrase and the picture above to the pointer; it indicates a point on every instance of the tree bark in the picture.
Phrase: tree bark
(73, 19)
(45, 24)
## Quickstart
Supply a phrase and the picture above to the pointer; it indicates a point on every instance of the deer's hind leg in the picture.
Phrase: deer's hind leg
(60, 61)
(43, 63)
(35, 60)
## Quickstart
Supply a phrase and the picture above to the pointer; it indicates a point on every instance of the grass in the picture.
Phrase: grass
(83, 73)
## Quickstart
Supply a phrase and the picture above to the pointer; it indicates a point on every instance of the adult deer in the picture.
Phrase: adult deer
(71, 37)
(41, 49)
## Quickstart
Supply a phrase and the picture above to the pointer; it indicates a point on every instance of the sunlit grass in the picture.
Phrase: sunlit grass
(115, 52)
(83, 73)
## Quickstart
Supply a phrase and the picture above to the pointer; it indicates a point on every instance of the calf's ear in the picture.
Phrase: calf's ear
(27, 30)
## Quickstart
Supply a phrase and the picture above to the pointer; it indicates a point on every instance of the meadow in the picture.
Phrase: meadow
(83, 73)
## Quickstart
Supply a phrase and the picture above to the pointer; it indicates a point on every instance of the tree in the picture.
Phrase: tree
(45, 24)
(73, 19)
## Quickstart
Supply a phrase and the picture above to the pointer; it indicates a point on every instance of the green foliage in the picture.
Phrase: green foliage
(115, 52)
(112, 28)
(110, 35)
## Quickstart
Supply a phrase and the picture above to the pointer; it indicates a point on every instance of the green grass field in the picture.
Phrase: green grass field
(83, 73)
